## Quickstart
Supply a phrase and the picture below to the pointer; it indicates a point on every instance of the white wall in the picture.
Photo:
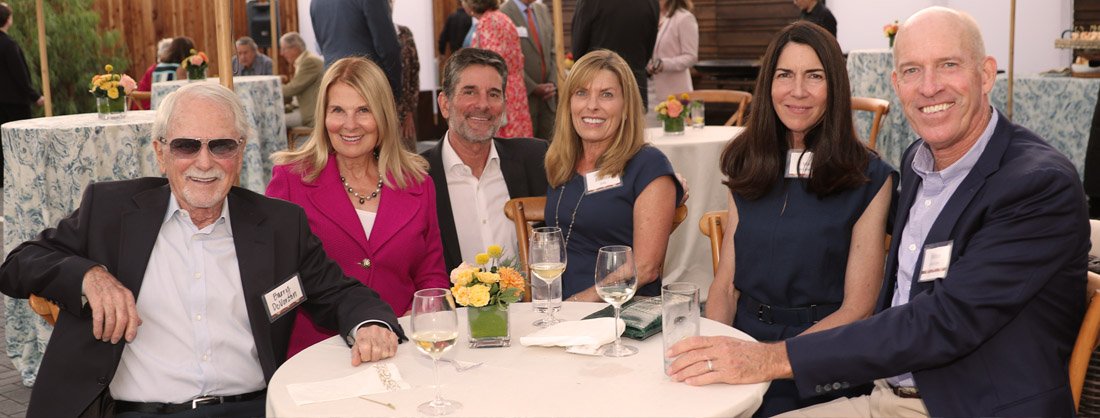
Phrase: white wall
(416, 14)
(1038, 24)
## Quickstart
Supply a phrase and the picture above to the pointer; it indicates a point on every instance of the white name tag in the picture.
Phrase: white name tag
(522, 31)
(936, 260)
(798, 164)
(594, 182)
(284, 297)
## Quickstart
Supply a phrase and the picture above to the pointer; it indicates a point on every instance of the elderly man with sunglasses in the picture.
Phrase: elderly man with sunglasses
(175, 293)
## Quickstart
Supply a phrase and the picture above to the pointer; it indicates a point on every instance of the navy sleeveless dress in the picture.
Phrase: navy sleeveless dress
(791, 256)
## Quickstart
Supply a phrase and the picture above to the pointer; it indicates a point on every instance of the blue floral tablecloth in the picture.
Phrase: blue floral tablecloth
(1058, 109)
(262, 97)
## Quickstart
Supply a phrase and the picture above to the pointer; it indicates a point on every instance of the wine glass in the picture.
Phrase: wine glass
(546, 257)
(434, 329)
(616, 282)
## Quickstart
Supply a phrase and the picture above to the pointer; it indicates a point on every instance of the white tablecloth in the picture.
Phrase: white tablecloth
(262, 97)
(522, 381)
(695, 155)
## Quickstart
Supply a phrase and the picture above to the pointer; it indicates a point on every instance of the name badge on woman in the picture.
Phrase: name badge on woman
(936, 260)
(798, 164)
(594, 182)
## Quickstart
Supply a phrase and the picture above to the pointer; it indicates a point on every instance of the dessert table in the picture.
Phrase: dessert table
(695, 155)
(262, 97)
(1058, 109)
(520, 381)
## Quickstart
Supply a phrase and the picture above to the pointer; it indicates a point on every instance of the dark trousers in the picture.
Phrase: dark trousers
(1092, 164)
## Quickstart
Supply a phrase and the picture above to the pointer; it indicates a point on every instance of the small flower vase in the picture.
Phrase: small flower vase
(196, 73)
(892, 41)
(674, 126)
(488, 326)
(109, 108)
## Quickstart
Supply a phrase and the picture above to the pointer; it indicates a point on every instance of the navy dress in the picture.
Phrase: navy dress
(791, 256)
(603, 218)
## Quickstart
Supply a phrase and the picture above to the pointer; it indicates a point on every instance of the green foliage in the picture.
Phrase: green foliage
(76, 50)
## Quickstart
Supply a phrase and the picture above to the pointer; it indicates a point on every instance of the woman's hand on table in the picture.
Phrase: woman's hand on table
(373, 343)
(707, 360)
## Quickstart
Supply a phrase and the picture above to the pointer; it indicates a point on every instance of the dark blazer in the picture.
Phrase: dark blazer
(362, 28)
(628, 27)
(454, 31)
(116, 226)
(15, 79)
(522, 161)
(992, 338)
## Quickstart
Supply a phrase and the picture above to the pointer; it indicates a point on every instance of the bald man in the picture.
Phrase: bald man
(985, 278)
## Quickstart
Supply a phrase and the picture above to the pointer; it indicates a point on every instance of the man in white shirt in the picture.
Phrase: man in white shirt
(475, 173)
(217, 268)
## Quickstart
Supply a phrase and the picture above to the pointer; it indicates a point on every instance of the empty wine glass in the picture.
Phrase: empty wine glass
(546, 257)
(616, 281)
(434, 329)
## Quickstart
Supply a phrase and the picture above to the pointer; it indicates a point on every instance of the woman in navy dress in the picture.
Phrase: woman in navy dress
(607, 187)
(804, 244)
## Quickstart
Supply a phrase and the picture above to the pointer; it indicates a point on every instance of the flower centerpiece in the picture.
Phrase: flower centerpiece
(110, 92)
(673, 112)
(195, 65)
(486, 289)
(890, 31)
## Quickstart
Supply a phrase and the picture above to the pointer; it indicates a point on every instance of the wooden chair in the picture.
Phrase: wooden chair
(44, 308)
(527, 211)
(712, 225)
(296, 133)
(878, 107)
(1086, 343)
(138, 96)
(741, 98)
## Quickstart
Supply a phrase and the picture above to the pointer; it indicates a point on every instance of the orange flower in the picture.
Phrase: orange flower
(510, 278)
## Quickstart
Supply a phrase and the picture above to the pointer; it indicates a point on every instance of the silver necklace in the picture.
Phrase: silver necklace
(557, 210)
(363, 199)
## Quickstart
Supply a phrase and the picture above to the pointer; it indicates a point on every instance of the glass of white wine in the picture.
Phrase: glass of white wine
(616, 282)
(434, 328)
(546, 257)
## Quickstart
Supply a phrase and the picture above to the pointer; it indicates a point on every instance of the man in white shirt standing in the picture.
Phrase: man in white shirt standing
(208, 271)
(475, 174)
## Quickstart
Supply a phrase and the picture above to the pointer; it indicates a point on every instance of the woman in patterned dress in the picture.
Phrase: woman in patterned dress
(496, 32)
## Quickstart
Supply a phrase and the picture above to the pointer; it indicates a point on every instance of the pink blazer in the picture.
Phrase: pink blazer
(404, 248)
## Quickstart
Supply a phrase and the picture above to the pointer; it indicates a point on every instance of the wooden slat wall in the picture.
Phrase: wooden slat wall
(144, 22)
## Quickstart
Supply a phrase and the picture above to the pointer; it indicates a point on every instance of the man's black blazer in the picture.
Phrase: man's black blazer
(522, 161)
(116, 226)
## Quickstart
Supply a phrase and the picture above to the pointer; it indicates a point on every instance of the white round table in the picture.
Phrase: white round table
(695, 155)
(521, 381)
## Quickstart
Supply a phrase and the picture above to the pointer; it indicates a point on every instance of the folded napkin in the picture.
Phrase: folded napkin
(582, 337)
(382, 377)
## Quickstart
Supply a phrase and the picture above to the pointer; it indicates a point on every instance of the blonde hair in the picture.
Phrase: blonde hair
(370, 82)
(565, 150)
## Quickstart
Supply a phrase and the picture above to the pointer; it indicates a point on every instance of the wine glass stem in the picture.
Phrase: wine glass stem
(618, 339)
(438, 391)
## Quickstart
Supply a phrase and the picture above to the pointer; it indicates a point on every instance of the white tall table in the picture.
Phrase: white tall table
(521, 381)
(695, 155)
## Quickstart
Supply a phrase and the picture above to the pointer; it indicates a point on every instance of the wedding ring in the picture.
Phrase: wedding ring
(710, 365)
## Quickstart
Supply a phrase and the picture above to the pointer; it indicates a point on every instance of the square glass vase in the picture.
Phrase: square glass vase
(109, 108)
(488, 326)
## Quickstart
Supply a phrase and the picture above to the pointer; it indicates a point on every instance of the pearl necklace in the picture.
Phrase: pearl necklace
(363, 199)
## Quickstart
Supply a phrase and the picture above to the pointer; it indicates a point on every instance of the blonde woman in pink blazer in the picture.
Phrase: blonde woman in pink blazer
(675, 52)
(370, 202)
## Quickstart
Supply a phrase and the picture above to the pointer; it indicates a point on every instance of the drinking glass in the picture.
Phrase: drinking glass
(434, 329)
(679, 315)
(698, 114)
(546, 258)
(616, 281)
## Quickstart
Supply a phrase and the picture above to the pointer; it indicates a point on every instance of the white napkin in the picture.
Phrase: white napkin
(581, 337)
(382, 377)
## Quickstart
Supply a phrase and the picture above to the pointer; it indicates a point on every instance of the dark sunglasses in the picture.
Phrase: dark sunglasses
(189, 148)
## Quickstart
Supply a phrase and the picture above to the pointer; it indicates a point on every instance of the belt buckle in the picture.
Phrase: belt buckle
(760, 314)
(813, 314)
(205, 400)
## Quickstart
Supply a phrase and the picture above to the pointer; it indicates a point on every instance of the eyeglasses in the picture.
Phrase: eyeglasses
(189, 147)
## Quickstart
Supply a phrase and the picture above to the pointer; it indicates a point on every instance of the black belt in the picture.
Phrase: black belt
(789, 316)
(907, 392)
(171, 408)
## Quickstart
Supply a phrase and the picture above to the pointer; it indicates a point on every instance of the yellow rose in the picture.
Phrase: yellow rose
(478, 295)
(481, 259)
(461, 294)
(487, 277)
(109, 67)
(510, 278)
(495, 251)
(461, 268)
(464, 277)
(112, 93)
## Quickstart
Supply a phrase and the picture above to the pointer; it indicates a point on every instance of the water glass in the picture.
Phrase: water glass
(546, 297)
(679, 315)
(698, 115)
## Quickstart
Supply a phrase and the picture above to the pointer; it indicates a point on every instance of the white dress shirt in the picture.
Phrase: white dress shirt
(478, 204)
(195, 338)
